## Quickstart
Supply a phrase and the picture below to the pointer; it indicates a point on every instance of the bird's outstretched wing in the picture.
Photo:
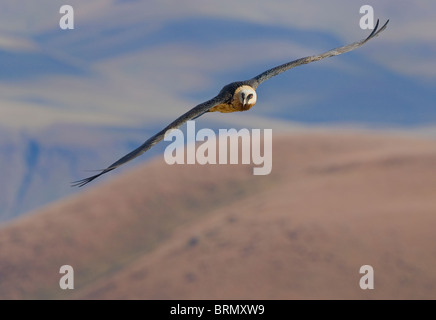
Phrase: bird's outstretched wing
(334, 52)
(193, 113)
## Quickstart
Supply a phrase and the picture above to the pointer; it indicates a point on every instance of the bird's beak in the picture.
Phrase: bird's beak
(245, 105)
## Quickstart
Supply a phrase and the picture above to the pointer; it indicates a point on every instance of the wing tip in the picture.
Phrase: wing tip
(384, 26)
(375, 32)
(82, 182)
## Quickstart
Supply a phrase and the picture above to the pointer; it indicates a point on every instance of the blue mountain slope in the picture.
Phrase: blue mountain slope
(16, 65)
(38, 168)
(374, 96)
(105, 41)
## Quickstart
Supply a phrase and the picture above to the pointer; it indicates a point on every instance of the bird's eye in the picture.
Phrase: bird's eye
(249, 96)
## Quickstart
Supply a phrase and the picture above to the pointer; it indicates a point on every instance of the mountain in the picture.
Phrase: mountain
(334, 201)
(38, 167)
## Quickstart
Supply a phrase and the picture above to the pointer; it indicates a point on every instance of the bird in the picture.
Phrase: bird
(233, 97)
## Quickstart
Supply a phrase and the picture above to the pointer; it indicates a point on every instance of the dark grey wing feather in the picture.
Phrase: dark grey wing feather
(334, 52)
(191, 114)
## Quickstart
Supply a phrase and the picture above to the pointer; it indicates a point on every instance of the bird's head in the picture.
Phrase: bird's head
(247, 97)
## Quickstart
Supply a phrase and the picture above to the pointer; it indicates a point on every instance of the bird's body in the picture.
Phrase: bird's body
(236, 96)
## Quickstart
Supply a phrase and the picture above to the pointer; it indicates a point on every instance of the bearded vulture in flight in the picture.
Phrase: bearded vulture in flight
(236, 96)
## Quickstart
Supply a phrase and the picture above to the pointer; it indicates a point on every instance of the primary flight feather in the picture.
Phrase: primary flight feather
(236, 96)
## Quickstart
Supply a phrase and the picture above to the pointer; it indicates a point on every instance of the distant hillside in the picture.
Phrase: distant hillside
(333, 202)
(36, 168)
